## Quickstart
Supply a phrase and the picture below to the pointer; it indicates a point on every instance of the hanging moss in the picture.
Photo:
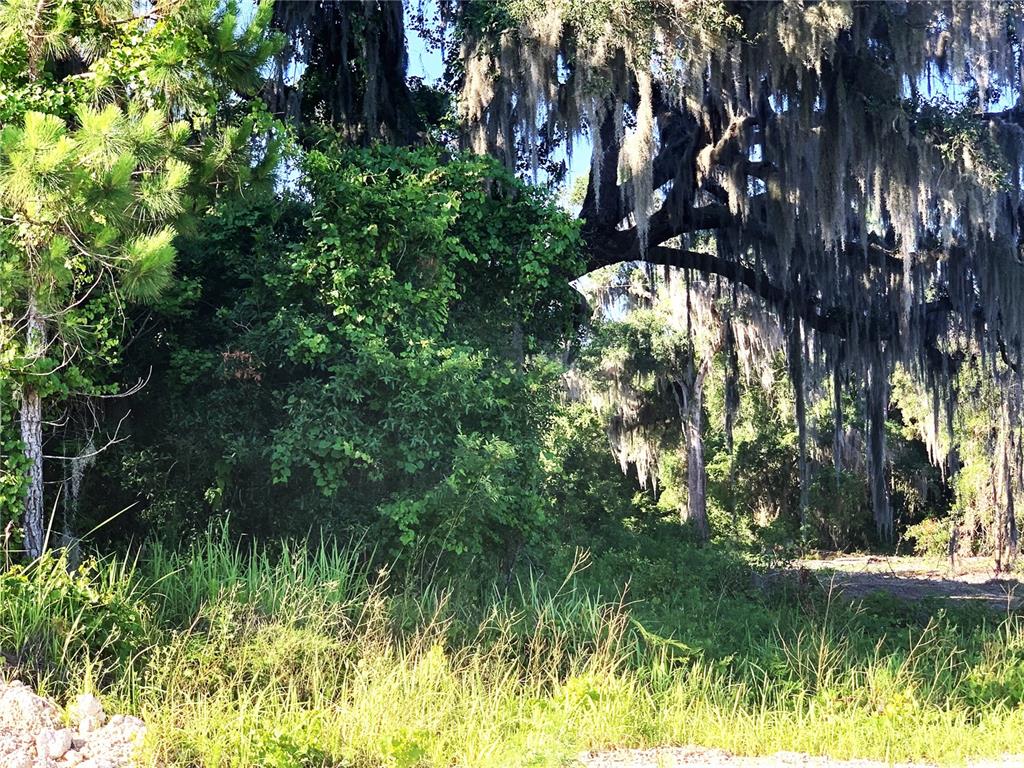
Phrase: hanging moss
(344, 64)
(803, 134)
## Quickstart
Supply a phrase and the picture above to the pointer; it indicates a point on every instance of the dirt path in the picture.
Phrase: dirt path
(672, 757)
(913, 579)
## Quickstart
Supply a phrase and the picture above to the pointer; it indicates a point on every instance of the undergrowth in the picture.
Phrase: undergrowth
(306, 655)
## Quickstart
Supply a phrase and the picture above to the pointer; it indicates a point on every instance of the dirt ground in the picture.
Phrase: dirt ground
(915, 578)
(672, 757)
(908, 578)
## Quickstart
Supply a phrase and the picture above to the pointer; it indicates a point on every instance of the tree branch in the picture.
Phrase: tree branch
(835, 321)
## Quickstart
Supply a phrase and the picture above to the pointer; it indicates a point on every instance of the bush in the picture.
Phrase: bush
(55, 621)
(930, 537)
(368, 359)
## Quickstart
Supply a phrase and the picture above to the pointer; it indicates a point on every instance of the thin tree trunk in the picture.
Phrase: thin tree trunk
(35, 348)
(32, 437)
(732, 406)
(696, 472)
(877, 403)
(796, 353)
(690, 400)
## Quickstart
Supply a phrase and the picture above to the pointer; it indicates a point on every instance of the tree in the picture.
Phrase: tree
(85, 211)
(93, 172)
(344, 64)
(648, 362)
(368, 356)
(816, 147)
(872, 213)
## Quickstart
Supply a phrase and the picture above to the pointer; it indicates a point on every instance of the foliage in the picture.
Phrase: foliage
(385, 346)
(368, 346)
(82, 204)
(930, 537)
(13, 463)
(114, 124)
(371, 360)
(58, 621)
(759, 482)
(633, 351)
(301, 655)
(586, 491)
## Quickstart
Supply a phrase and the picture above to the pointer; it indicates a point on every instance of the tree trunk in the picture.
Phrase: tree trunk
(689, 394)
(32, 437)
(696, 472)
(877, 404)
(796, 353)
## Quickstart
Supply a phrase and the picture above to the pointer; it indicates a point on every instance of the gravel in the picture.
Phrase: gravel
(33, 734)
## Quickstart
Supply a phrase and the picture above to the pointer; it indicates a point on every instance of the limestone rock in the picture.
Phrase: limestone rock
(17, 759)
(87, 713)
(20, 708)
(53, 744)
(32, 734)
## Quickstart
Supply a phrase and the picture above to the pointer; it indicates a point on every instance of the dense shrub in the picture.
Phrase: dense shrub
(930, 537)
(367, 360)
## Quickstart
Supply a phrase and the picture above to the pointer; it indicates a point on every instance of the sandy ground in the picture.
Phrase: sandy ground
(671, 757)
(914, 578)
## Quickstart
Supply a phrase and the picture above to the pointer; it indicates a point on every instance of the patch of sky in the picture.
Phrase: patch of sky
(426, 62)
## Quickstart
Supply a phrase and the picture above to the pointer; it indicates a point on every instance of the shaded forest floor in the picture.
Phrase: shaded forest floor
(971, 582)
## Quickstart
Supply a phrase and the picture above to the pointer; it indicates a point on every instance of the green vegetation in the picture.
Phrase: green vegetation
(330, 437)
(308, 654)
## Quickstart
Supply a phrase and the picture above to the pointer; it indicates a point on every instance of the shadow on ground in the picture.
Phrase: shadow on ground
(912, 580)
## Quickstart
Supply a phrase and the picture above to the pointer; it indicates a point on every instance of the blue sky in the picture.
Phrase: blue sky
(427, 63)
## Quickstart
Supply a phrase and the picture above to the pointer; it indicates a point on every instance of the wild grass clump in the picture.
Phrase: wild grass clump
(305, 655)
(60, 623)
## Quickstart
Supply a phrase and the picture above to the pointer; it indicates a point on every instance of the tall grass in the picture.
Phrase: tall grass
(301, 655)
(57, 623)
(291, 580)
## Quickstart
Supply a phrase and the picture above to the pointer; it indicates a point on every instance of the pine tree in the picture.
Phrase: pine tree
(86, 210)
(94, 174)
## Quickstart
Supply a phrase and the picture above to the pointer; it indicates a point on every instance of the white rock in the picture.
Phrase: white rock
(22, 709)
(89, 724)
(53, 744)
(19, 759)
(12, 741)
(32, 735)
(87, 710)
(133, 725)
